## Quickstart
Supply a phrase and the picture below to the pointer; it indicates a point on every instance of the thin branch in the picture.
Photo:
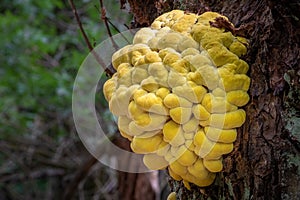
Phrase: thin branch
(109, 71)
(87, 41)
(79, 176)
(116, 28)
(105, 19)
(34, 174)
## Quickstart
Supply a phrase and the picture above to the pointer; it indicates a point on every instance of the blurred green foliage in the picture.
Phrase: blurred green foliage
(41, 50)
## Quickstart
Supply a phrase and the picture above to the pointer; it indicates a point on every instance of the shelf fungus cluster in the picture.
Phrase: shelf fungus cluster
(177, 94)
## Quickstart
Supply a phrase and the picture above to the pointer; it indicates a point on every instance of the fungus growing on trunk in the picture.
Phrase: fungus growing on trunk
(177, 93)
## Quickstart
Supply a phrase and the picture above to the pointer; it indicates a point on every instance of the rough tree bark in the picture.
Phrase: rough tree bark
(265, 163)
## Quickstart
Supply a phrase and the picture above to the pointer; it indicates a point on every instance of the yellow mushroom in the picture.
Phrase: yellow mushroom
(169, 157)
(153, 43)
(199, 181)
(191, 126)
(125, 135)
(109, 88)
(187, 42)
(217, 104)
(121, 56)
(189, 143)
(170, 58)
(141, 48)
(208, 149)
(170, 40)
(119, 102)
(220, 135)
(138, 93)
(199, 60)
(228, 120)
(187, 158)
(181, 66)
(218, 92)
(190, 52)
(177, 93)
(185, 22)
(180, 115)
(189, 136)
(144, 35)
(192, 94)
(174, 175)
(172, 196)
(162, 92)
(124, 74)
(198, 169)
(149, 84)
(147, 122)
(164, 52)
(146, 145)
(123, 124)
(175, 79)
(174, 101)
(151, 103)
(186, 182)
(241, 66)
(163, 148)
(196, 77)
(238, 48)
(173, 133)
(177, 168)
(234, 82)
(200, 112)
(237, 97)
(213, 165)
(176, 151)
(210, 76)
(163, 31)
(147, 134)
(138, 75)
(237, 67)
(155, 162)
(159, 72)
(144, 119)
(152, 57)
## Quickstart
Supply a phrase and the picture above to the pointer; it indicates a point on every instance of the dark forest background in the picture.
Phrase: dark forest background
(41, 49)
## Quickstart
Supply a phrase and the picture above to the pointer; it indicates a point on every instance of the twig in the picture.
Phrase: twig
(109, 71)
(17, 177)
(117, 30)
(105, 19)
(79, 176)
(80, 25)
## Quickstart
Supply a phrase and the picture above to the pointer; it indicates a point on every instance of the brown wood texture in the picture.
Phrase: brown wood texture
(266, 158)
(133, 186)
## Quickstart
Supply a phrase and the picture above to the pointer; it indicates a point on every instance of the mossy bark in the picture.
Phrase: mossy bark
(265, 163)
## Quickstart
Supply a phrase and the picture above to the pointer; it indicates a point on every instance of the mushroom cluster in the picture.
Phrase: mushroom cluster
(177, 93)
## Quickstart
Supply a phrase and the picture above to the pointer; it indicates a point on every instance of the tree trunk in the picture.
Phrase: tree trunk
(265, 163)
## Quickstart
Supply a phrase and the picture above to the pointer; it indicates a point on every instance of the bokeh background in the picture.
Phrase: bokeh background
(41, 49)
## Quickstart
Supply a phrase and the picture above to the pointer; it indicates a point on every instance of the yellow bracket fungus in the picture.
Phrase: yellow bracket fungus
(172, 196)
(177, 94)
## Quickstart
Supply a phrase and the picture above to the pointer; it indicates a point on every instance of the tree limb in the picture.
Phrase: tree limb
(109, 71)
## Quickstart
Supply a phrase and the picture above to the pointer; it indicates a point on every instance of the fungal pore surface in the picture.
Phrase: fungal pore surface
(177, 94)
